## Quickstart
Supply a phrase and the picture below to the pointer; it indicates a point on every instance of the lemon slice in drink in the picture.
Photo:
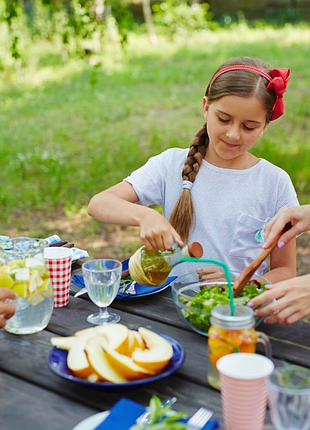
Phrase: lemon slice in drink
(6, 281)
(46, 288)
(35, 298)
(21, 289)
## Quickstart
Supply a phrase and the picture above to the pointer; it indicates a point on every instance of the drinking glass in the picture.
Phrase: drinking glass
(289, 398)
(102, 278)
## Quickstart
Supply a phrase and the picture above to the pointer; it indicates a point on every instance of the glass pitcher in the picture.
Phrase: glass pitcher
(23, 270)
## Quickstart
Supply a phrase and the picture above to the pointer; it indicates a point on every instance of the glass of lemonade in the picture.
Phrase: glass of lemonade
(102, 278)
(23, 270)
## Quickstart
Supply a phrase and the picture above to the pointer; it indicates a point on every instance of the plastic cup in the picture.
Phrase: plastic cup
(58, 261)
(244, 392)
(289, 397)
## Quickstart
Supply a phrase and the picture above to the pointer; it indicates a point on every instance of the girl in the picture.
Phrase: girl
(217, 192)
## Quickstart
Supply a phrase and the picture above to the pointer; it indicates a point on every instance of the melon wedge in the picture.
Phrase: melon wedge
(125, 366)
(63, 342)
(98, 361)
(115, 334)
(157, 354)
(77, 360)
(134, 341)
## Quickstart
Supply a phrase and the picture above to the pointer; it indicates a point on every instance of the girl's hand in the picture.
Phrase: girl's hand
(211, 273)
(156, 233)
(298, 216)
(292, 301)
(7, 309)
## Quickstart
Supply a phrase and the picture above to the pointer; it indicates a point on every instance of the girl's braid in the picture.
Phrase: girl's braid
(196, 154)
(182, 216)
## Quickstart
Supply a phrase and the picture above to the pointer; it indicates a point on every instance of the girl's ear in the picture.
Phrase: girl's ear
(205, 107)
(262, 132)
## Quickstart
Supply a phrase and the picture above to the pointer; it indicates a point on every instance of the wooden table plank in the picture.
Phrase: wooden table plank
(28, 407)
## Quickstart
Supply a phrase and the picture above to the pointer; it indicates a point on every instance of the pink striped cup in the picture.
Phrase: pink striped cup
(244, 392)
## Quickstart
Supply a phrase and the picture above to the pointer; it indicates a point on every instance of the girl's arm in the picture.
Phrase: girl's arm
(282, 263)
(119, 205)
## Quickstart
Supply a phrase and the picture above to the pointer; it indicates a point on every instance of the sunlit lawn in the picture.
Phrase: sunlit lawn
(69, 130)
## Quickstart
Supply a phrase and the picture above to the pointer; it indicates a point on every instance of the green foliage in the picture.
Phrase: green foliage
(68, 131)
(173, 17)
(123, 18)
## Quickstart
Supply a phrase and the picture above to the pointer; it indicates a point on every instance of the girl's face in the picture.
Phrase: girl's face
(234, 124)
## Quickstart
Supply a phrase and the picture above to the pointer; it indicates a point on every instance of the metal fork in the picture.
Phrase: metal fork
(131, 289)
(199, 419)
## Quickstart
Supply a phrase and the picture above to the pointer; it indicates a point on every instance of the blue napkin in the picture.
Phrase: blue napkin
(125, 412)
(122, 416)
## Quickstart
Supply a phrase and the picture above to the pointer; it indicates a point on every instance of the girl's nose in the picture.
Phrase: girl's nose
(233, 133)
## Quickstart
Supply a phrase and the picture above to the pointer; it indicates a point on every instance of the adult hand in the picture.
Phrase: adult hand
(156, 233)
(292, 301)
(7, 308)
(298, 216)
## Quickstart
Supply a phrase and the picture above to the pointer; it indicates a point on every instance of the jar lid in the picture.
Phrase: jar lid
(243, 318)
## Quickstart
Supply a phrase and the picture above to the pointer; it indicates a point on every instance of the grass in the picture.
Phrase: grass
(69, 130)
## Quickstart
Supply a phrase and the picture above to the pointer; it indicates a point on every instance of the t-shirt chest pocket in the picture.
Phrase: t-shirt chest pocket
(243, 243)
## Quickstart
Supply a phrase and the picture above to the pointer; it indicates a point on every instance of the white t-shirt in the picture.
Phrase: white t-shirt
(230, 206)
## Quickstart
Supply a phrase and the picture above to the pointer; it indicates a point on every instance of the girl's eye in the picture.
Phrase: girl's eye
(248, 128)
(225, 121)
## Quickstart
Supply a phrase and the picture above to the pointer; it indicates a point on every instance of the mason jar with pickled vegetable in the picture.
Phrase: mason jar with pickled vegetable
(229, 334)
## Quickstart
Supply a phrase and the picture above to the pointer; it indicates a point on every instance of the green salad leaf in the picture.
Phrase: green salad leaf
(210, 297)
(159, 419)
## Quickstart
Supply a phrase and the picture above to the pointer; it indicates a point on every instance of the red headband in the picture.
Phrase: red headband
(277, 83)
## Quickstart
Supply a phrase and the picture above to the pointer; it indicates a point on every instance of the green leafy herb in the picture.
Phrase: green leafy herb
(159, 419)
(294, 377)
(125, 282)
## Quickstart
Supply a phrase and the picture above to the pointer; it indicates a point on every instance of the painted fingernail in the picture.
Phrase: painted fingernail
(251, 305)
(265, 245)
(255, 314)
(268, 286)
(265, 321)
(281, 244)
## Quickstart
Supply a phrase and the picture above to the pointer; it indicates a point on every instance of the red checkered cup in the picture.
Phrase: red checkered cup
(58, 261)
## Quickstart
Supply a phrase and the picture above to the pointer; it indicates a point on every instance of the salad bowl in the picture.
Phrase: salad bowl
(196, 294)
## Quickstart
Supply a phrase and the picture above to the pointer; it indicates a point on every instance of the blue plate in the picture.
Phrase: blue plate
(57, 363)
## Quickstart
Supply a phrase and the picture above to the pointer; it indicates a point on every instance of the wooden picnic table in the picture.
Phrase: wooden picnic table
(34, 398)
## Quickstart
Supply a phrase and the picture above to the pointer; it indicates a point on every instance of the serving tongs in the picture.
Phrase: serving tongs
(249, 271)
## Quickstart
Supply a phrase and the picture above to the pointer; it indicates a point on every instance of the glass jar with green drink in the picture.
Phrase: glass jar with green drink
(23, 270)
